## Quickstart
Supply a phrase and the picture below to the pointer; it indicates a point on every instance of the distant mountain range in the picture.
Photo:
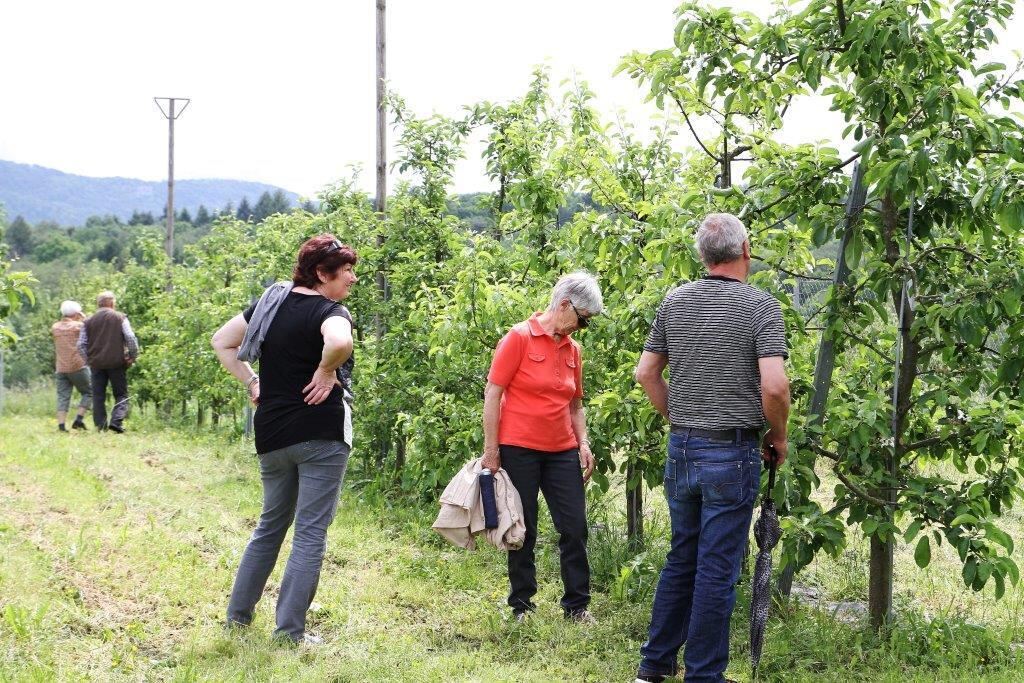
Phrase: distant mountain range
(39, 193)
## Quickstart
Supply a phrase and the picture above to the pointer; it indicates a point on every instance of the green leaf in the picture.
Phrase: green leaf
(970, 570)
(864, 144)
(1000, 584)
(999, 536)
(964, 519)
(923, 552)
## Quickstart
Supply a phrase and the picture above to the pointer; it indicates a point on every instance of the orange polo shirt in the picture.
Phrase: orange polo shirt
(540, 377)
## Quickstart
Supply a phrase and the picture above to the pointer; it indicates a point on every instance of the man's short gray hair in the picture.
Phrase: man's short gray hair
(720, 239)
(70, 308)
(582, 291)
(105, 299)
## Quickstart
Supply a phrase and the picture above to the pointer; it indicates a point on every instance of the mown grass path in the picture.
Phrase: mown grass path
(119, 551)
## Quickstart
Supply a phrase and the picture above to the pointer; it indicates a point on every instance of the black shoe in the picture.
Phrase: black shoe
(60, 427)
(78, 424)
(117, 429)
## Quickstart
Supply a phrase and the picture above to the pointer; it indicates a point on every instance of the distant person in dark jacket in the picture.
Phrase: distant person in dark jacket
(109, 347)
(71, 371)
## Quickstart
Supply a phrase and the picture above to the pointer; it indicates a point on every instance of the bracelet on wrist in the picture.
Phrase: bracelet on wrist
(252, 380)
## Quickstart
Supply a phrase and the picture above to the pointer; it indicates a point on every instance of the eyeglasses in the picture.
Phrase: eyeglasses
(581, 320)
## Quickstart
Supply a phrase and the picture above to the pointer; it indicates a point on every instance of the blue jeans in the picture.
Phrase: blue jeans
(711, 487)
(300, 483)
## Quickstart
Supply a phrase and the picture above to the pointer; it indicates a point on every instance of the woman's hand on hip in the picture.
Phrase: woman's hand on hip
(254, 392)
(320, 387)
(587, 462)
(491, 459)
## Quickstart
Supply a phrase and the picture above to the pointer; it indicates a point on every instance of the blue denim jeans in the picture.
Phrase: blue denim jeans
(711, 487)
(300, 484)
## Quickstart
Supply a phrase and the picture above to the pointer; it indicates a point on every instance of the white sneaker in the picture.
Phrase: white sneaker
(584, 617)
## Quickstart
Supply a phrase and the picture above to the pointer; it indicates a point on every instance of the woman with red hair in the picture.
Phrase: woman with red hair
(303, 339)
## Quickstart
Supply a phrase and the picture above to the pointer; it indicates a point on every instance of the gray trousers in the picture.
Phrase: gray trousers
(300, 483)
(79, 380)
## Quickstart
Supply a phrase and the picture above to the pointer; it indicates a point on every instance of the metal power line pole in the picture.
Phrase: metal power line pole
(171, 115)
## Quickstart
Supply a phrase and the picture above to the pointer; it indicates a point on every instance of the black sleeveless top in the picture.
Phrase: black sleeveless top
(290, 354)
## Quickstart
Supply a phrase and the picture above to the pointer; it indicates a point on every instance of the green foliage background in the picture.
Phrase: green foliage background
(935, 132)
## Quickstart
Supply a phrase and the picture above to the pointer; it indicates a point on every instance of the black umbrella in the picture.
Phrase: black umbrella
(766, 533)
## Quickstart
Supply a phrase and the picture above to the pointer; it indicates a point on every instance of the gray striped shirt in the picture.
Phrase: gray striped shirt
(713, 331)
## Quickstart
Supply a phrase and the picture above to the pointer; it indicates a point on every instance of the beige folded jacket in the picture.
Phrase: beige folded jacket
(462, 512)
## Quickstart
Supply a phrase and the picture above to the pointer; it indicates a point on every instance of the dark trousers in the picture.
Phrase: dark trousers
(558, 477)
(118, 381)
(300, 483)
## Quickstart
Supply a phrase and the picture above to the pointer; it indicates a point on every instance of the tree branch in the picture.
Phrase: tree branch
(778, 267)
(694, 132)
(857, 490)
(948, 247)
(868, 344)
(1002, 85)
(738, 151)
(776, 223)
(841, 165)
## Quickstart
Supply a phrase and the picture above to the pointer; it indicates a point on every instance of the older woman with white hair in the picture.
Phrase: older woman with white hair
(535, 427)
(71, 371)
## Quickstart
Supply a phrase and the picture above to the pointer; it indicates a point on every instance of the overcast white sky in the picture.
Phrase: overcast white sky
(283, 93)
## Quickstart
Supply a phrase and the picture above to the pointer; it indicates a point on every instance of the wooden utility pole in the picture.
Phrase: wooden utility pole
(382, 161)
(380, 198)
(170, 115)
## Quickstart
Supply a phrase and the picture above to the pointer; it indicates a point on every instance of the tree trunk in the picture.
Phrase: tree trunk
(880, 579)
(880, 582)
(400, 443)
(634, 510)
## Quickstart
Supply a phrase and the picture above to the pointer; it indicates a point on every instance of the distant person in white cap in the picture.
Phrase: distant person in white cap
(71, 370)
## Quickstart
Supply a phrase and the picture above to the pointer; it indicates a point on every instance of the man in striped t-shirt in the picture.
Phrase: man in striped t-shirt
(724, 344)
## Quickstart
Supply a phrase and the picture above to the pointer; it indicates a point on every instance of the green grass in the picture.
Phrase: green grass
(119, 551)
